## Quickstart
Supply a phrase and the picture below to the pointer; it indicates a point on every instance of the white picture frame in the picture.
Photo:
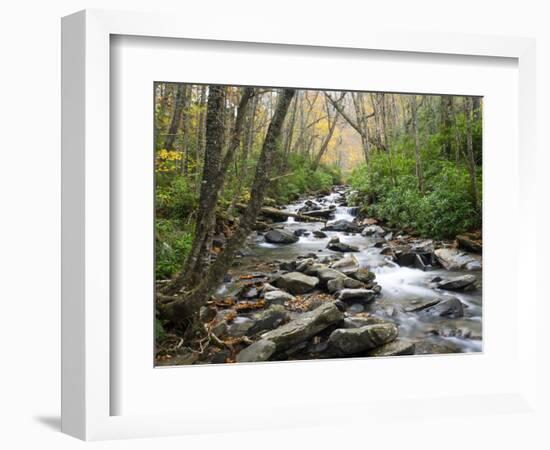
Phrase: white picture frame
(87, 328)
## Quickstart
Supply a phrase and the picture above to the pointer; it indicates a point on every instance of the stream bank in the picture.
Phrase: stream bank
(315, 281)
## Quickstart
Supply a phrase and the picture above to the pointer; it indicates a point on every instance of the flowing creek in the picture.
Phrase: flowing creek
(401, 286)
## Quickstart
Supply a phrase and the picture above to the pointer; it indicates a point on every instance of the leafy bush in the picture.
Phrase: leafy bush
(174, 197)
(446, 208)
(172, 246)
(303, 179)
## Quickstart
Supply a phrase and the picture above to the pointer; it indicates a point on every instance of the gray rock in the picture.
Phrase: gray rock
(327, 274)
(348, 265)
(319, 234)
(396, 348)
(289, 266)
(462, 283)
(304, 264)
(220, 328)
(280, 237)
(342, 225)
(335, 285)
(277, 297)
(297, 283)
(363, 275)
(350, 283)
(364, 295)
(268, 288)
(241, 327)
(305, 326)
(258, 351)
(426, 246)
(268, 319)
(324, 213)
(469, 243)
(373, 230)
(358, 340)
(426, 347)
(453, 259)
(447, 307)
(420, 304)
(341, 247)
(359, 322)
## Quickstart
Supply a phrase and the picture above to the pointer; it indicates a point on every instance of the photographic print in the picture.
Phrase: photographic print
(303, 224)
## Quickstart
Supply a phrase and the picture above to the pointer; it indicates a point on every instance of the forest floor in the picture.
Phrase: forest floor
(317, 281)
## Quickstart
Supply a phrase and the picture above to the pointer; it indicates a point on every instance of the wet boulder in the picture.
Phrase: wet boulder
(364, 295)
(398, 347)
(268, 319)
(289, 266)
(342, 225)
(277, 297)
(258, 351)
(470, 242)
(359, 340)
(432, 347)
(453, 259)
(322, 213)
(359, 322)
(280, 237)
(462, 283)
(335, 285)
(326, 274)
(425, 246)
(319, 234)
(420, 304)
(373, 230)
(297, 283)
(304, 264)
(348, 265)
(304, 327)
(447, 307)
(336, 246)
(364, 275)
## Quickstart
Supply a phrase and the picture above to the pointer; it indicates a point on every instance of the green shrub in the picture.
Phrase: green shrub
(303, 179)
(172, 246)
(174, 197)
(446, 208)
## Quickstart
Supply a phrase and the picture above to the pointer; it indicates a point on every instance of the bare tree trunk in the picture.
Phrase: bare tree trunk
(324, 145)
(419, 173)
(468, 110)
(290, 134)
(446, 124)
(247, 147)
(200, 139)
(186, 309)
(176, 118)
(185, 129)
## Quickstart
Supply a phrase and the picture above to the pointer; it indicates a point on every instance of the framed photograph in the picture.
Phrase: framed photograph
(298, 219)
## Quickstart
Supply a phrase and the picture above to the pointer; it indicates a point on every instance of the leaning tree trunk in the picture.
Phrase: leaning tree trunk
(185, 310)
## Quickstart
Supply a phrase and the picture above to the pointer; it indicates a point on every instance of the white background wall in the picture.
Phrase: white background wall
(30, 191)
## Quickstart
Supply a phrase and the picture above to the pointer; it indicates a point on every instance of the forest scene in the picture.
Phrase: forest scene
(299, 224)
